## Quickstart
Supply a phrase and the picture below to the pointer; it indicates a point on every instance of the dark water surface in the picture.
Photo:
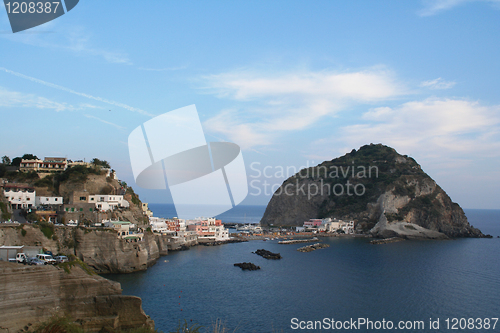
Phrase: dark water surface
(405, 281)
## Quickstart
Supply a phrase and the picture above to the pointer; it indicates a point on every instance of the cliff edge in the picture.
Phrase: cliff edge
(385, 193)
(32, 294)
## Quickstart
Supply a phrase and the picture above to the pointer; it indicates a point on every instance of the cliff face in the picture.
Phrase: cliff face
(32, 294)
(384, 192)
(99, 249)
(105, 253)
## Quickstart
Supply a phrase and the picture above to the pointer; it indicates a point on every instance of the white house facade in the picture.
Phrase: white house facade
(41, 201)
(20, 196)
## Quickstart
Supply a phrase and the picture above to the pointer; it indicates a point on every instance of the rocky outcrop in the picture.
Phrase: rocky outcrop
(377, 188)
(105, 253)
(32, 294)
(313, 247)
(268, 254)
(247, 266)
(98, 248)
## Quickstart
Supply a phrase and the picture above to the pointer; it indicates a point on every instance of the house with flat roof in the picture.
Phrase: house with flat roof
(19, 195)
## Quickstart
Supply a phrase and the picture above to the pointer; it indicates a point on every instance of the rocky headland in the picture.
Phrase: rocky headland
(385, 193)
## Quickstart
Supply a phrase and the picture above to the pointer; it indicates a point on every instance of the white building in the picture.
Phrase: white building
(105, 202)
(160, 225)
(72, 223)
(334, 225)
(41, 201)
(47, 165)
(209, 230)
(20, 196)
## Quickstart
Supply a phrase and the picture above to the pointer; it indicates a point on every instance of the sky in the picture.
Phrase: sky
(293, 83)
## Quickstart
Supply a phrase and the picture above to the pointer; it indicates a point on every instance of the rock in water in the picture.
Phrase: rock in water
(268, 254)
(385, 193)
(247, 266)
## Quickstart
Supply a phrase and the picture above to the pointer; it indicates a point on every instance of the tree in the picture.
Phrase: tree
(98, 162)
(6, 160)
(29, 157)
(16, 161)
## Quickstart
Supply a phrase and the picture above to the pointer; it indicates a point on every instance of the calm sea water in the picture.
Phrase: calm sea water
(408, 281)
(238, 214)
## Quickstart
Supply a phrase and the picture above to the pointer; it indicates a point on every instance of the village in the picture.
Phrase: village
(85, 210)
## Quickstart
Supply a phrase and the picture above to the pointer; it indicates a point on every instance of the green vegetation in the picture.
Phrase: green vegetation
(46, 228)
(391, 217)
(135, 197)
(184, 328)
(425, 203)
(21, 177)
(6, 160)
(5, 216)
(376, 167)
(57, 324)
(23, 232)
(47, 181)
(100, 163)
(77, 173)
(73, 261)
(3, 170)
(32, 217)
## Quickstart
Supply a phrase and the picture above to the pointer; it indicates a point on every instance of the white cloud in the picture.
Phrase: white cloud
(71, 91)
(438, 84)
(434, 128)
(433, 7)
(104, 121)
(77, 41)
(290, 102)
(17, 99)
(166, 69)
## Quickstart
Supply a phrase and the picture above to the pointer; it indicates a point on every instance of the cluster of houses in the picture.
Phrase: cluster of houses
(327, 225)
(54, 209)
(54, 164)
(203, 229)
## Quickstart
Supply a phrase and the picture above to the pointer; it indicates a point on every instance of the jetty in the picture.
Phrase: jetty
(387, 240)
(295, 241)
(313, 247)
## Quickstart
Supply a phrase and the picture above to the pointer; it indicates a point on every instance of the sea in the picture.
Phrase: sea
(409, 286)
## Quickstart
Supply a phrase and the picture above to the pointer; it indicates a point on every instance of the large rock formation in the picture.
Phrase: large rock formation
(32, 294)
(384, 192)
(99, 249)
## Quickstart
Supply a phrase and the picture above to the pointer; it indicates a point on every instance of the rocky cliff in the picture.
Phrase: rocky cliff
(99, 249)
(31, 294)
(384, 192)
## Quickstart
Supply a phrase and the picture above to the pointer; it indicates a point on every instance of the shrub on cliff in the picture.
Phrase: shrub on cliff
(46, 228)
(58, 324)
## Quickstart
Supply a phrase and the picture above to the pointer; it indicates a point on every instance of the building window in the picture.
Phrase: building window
(90, 209)
(73, 209)
(55, 199)
(82, 198)
(81, 209)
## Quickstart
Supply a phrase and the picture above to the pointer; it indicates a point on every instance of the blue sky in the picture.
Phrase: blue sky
(292, 82)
